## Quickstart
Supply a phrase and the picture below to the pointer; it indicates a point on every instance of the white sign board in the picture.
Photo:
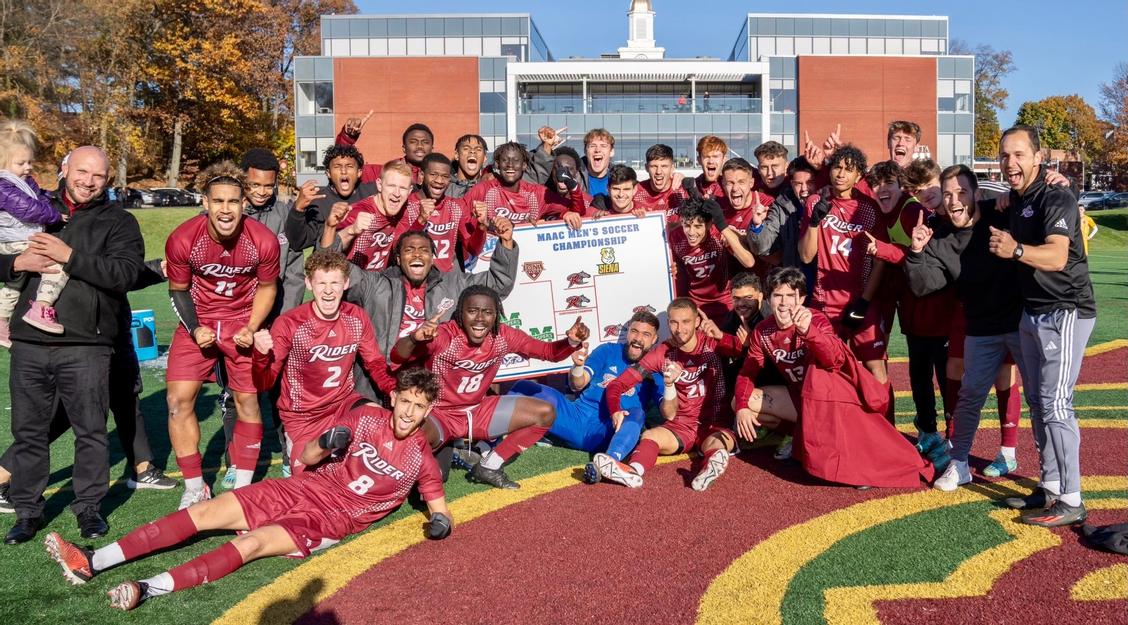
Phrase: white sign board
(602, 272)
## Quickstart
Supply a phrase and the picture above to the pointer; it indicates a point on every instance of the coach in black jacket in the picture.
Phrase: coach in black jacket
(101, 248)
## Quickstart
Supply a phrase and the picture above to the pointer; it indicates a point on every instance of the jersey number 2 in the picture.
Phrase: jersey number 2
(334, 379)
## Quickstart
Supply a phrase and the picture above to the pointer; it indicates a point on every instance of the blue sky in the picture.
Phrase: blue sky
(1058, 51)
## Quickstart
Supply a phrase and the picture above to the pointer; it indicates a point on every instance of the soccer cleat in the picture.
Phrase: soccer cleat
(494, 477)
(1000, 466)
(956, 475)
(228, 482)
(193, 497)
(591, 474)
(128, 595)
(612, 470)
(41, 316)
(465, 459)
(152, 478)
(1057, 515)
(74, 560)
(713, 469)
(5, 334)
(783, 452)
(6, 503)
(927, 441)
(1034, 501)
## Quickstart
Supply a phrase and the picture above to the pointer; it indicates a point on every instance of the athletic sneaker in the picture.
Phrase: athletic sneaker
(1056, 515)
(152, 478)
(591, 474)
(128, 595)
(41, 316)
(927, 441)
(1034, 501)
(612, 470)
(74, 559)
(783, 452)
(956, 475)
(494, 477)
(228, 482)
(5, 503)
(713, 469)
(939, 457)
(465, 459)
(1000, 466)
(193, 497)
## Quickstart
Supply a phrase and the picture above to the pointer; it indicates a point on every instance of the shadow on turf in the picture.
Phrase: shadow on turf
(298, 610)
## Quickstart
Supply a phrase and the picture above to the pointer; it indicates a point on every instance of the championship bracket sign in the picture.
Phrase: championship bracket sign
(603, 272)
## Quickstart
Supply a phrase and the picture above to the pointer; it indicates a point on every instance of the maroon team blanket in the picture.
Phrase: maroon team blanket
(842, 435)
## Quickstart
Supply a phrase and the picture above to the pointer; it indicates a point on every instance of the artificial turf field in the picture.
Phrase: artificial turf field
(766, 544)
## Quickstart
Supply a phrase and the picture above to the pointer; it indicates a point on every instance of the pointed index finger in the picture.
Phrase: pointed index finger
(837, 129)
(920, 218)
(365, 120)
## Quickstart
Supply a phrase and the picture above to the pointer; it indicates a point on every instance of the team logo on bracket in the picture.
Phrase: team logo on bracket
(644, 308)
(579, 278)
(513, 320)
(612, 330)
(543, 334)
(607, 264)
(533, 269)
(576, 301)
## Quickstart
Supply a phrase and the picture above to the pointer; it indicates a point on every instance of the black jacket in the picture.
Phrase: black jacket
(107, 260)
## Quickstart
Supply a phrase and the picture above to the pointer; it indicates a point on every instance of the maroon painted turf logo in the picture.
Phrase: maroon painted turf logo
(533, 269)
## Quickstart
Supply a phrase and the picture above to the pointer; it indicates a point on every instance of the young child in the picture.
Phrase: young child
(24, 210)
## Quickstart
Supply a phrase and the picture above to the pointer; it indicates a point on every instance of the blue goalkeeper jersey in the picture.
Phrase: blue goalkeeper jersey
(606, 363)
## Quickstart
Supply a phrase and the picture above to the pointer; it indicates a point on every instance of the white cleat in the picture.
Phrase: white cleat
(193, 497)
(612, 470)
(713, 469)
(951, 479)
(125, 596)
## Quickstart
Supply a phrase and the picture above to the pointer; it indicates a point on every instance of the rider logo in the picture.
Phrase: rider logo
(612, 330)
(543, 334)
(644, 308)
(514, 360)
(576, 301)
(578, 279)
(533, 269)
(513, 321)
(607, 264)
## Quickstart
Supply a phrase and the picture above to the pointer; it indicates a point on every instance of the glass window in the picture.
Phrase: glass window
(613, 123)
(840, 28)
(648, 124)
(821, 25)
(516, 51)
(304, 126)
(323, 68)
(397, 27)
(754, 24)
(894, 28)
(523, 125)
(377, 27)
(325, 126)
(945, 104)
(315, 98)
(945, 122)
(523, 22)
(452, 27)
(776, 122)
(338, 28)
(945, 68)
(434, 46)
(739, 123)
(491, 26)
(667, 124)
(767, 26)
(630, 123)
(511, 27)
(805, 26)
(942, 29)
(472, 26)
(964, 68)
(875, 28)
(491, 102)
(785, 26)
(964, 122)
(416, 27)
(930, 28)
(303, 69)
(434, 27)
(485, 124)
(912, 28)
(358, 27)
(857, 28)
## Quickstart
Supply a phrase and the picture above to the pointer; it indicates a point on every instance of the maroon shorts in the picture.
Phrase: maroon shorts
(188, 362)
(870, 341)
(488, 420)
(281, 503)
(690, 436)
(956, 335)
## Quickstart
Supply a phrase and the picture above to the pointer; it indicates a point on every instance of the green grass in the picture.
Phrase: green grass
(33, 591)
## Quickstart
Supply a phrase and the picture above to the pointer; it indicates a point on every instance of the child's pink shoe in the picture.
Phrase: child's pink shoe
(43, 317)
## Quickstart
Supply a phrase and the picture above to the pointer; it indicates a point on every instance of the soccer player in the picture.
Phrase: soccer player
(306, 221)
(743, 205)
(711, 154)
(847, 278)
(661, 192)
(564, 188)
(778, 237)
(469, 161)
(701, 262)
(364, 467)
(371, 226)
(585, 423)
(313, 348)
(222, 278)
(418, 142)
(599, 148)
(1059, 314)
(622, 187)
(445, 218)
(692, 402)
(772, 168)
(466, 353)
(902, 140)
(505, 194)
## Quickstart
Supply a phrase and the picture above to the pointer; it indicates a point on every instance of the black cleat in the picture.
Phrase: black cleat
(24, 530)
(92, 525)
(591, 474)
(1056, 515)
(494, 477)
(1033, 501)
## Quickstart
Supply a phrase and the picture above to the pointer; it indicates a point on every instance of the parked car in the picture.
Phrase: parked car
(131, 198)
(1119, 200)
(1091, 198)
(171, 196)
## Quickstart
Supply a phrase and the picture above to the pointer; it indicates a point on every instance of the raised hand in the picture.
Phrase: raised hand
(921, 234)
(263, 342)
(871, 247)
(336, 437)
(337, 214)
(815, 155)
(1002, 244)
(427, 331)
(363, 222)
(710, 328)
(426, 209)
(354, 125)
(802, 319)
(503, 228)
(550, 137)
(481, 214)
(742, 333)
(834, 141)
(759, 211)
(307, 194)
(671, 371)
(579, 332)
(579, 357)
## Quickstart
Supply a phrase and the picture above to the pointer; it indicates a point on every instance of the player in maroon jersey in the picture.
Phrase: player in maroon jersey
(847, 279)
(692, 404)
(222, 278)
(744, 207)
(364, 467)
(505, 194)
(466, 353)
(371, 226)
(701, 249)
(712, 151)
(449, 221)
(662, 191)
(418, 141)
(313, 347)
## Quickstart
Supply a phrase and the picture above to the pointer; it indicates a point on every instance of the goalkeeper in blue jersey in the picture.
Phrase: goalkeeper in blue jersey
(584, 423)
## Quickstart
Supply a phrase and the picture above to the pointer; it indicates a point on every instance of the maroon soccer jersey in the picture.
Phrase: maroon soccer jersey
(371, 248)
(452, 221)
(315, 357)
(702, 272)
(414, 306)
(741, 219)
(223, 276)
(374, 475)
(466, 371)
(701, 385)
(707, 189)
(526, 205)
(842, 262)
(665, 202)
